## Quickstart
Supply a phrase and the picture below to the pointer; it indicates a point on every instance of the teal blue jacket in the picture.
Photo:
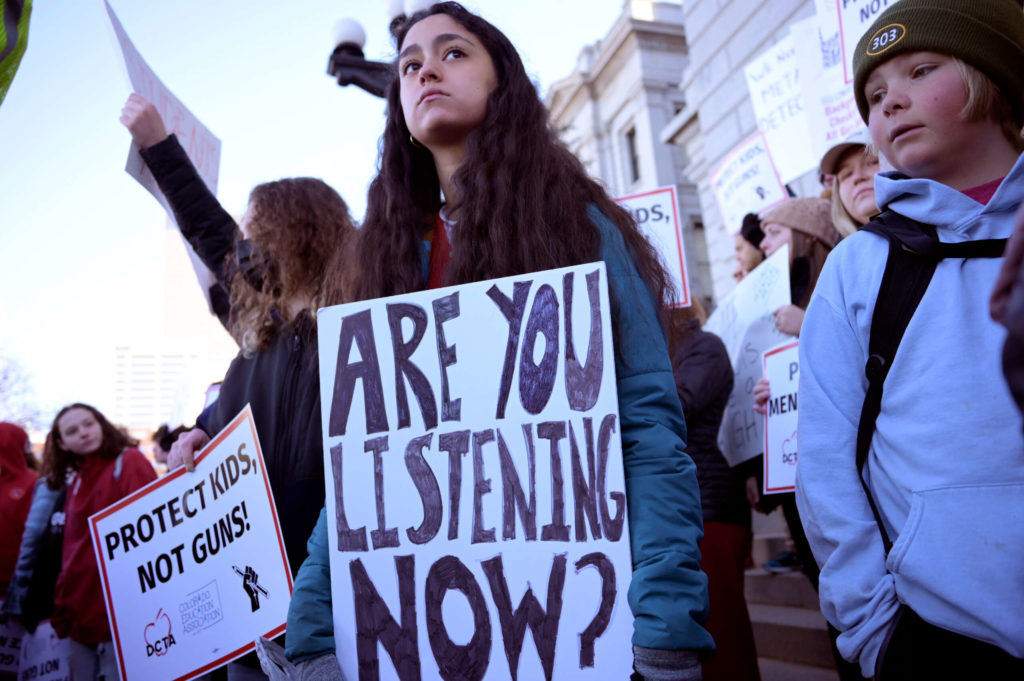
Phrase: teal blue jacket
(668, 592)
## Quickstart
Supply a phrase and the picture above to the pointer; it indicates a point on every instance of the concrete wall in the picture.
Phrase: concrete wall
(723, 36)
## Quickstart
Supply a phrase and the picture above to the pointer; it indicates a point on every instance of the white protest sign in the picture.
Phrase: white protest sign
(44, 656)
(856, 17)
(11, 633)
(193, 565)
(657, 214)
(773, 79)
(831, 109)
(475, 490)
(202, 147)
(782, 369)
(743, 320)
(746, 182)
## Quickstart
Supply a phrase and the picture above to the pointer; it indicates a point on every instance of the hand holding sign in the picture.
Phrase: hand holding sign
(183, 451)
(143, 121)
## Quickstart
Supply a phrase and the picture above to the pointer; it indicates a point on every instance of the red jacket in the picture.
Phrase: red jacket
(17, 483)
(79, 610)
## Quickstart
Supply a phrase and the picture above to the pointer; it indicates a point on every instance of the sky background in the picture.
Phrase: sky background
(81, 242)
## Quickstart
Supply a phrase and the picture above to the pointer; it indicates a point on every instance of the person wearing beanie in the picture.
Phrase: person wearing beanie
(806, 226)
(747, 244)
(940, 85)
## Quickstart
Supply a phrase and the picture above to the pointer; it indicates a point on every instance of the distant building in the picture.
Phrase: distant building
(611, 110)
(723, 37)
(164, 380)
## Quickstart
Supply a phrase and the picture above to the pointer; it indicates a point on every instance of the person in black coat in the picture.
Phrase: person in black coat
(704, 382)
(272, 272)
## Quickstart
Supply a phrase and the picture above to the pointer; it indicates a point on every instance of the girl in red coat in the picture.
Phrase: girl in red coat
(106, 468)
(16, 484)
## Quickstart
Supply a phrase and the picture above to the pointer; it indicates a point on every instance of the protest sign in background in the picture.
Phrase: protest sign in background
(744, 322)
(193, 565)
(782, 369)
(476, 499)
(773, 79)
(855, 17)
(44, 656)
(746, 182)
(657, 214)
(11, 633)
(202, 147)
(832, 114)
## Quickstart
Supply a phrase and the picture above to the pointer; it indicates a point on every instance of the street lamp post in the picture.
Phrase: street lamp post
(349, 66)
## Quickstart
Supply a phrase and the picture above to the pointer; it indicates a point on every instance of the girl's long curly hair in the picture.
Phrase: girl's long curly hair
(300, 224)
(58, 461)
(522, 196)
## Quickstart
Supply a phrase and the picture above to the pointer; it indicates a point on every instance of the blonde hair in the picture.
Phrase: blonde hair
(984, 100)
(844, 222)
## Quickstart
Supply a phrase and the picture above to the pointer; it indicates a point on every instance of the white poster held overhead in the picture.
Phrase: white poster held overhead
(202, 147)
(193, 565)
(773, 79)
(475, 490)
(782, 369)
(11, 633)
(657, 214)
(44, 656)
(744, 321)
(856, 17)
(831, 110)
(746, 182)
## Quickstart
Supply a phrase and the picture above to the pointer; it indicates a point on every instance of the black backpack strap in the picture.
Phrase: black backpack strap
(906, 278)
(914, 253)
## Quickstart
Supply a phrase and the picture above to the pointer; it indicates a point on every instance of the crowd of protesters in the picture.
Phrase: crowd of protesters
(908, 514)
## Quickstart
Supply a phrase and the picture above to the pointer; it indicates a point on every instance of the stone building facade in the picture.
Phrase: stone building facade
(723, 37)
(612, 109)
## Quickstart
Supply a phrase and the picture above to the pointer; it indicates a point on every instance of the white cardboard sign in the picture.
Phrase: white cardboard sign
(832, 113)
(44, 656)
(782, 369)
(657, 214)
(855, 18)
(475, 490)
(746, 182)
(193, 565)
(743, 320)
(11, 633)
(773, 79)
(202, 147)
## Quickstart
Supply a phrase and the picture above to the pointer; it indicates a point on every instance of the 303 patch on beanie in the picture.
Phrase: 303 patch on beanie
(987, 34)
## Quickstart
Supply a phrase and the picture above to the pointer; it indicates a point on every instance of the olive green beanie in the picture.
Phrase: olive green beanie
(987, 34)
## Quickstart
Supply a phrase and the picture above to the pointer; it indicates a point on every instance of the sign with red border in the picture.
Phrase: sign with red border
(657, 214)
(193, 565)
(782, 369)
(746, 181)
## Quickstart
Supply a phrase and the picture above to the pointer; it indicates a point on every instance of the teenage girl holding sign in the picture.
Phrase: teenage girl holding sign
(475, 185)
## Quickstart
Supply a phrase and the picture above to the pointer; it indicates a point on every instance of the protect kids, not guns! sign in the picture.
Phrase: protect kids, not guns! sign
(782, 369)
(476, 499)
(193, 565)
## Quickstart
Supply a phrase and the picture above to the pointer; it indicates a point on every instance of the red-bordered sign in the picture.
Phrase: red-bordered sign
(193, 565)
(657, 214)
(784, 396)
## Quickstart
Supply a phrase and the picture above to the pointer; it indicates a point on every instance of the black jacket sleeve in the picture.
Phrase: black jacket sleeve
(204, 223)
